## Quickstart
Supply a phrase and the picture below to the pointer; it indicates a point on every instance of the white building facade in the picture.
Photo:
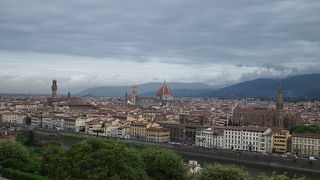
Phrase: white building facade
(210, 138)
(248, 138)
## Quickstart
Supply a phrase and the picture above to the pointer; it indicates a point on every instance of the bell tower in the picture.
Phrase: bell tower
(134, 95)
(54, 89)
(279, 108)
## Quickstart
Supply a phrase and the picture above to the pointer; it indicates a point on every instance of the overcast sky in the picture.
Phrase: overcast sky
(88, 43)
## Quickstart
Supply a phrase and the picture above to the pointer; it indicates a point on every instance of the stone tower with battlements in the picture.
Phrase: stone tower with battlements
(54, 89)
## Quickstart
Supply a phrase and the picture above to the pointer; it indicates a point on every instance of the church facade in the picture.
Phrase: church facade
(266, 117)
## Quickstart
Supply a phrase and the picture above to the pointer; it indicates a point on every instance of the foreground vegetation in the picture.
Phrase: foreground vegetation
(312, 129)
(96, 159)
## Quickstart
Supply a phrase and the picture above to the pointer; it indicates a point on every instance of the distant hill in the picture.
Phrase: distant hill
(301, 86)
(147, 89)
(183, 92)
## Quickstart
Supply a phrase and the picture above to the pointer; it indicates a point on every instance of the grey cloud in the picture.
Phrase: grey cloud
(275, 36)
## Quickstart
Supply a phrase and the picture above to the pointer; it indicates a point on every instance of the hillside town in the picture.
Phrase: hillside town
(236, 124)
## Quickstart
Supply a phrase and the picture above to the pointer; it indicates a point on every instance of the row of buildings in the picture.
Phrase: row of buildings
(213, 123)
(196, 131)
(112, 126)
(249, 138)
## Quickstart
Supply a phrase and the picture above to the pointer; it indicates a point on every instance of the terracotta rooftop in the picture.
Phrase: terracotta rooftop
(140, 123)
(255, 111)
(305, 135)
(247, 128)
(276, 129)
(251, 128)
(158, 129)
(233, 127)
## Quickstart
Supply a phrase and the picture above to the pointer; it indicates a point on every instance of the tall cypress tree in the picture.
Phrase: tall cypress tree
(30, 141)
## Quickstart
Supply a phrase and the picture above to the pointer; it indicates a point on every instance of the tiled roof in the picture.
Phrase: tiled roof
(246, 128)
(158, 129)
(140, 124)
(304, 135)
(255, 111)
(252, 128)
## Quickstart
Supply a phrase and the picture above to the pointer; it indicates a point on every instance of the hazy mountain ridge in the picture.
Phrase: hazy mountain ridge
(301, 86)
(147, 89)
(183, 92)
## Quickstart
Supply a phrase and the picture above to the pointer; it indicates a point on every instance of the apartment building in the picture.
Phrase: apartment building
(305, 144)
(138, 130)
(121, 132)
(9, 117)
(210, 137)
(248, 138)
(70, 124)
(158, 134)
(281, 139)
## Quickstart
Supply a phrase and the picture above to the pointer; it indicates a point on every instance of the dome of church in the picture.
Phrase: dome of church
(164, 90)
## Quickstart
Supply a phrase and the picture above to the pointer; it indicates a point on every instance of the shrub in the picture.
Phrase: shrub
(13, 154)
(93, 159)
(14, 174)
(275, 176)
(163, 164)
(223, 172)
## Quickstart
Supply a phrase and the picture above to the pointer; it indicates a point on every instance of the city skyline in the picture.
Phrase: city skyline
(98, 43)
(170, 89)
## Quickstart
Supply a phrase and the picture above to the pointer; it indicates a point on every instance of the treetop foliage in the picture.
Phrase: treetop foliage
(312, 129)
(93, 159)
(275, 176)
(163, 164)
(96, 159)
(223, 172)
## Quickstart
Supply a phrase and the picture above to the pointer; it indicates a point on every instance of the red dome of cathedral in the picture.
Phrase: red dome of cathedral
(164, 90)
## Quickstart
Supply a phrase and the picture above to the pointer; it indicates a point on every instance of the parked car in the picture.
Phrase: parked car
(312, 158)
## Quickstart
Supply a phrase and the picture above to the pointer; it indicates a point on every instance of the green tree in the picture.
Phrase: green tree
(28, 120)
(223, 172)
(275, 176)
(30, 141)
(162, 164)
(14, 174)
(21, 138)
(313, 129)
(95, 160)
(13, 154)
(50, 153)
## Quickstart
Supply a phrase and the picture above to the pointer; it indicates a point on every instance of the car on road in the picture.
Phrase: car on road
(312, 158)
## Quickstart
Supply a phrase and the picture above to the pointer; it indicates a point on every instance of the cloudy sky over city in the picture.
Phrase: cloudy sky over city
(92, 43)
